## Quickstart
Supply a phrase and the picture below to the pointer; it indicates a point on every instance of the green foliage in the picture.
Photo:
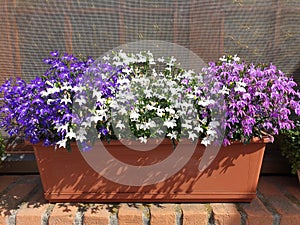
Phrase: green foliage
(290, 146)
(2, 146)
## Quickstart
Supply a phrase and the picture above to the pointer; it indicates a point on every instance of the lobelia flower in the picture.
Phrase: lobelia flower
(42, 109)
(259, 98)
(138, 96)
(159, 96)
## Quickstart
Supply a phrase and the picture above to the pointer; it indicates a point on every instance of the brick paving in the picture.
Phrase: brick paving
(22, 203)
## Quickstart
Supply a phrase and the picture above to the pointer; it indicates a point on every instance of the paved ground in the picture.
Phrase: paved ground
(277, 203)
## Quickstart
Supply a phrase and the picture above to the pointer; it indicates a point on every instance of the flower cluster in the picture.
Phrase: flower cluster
(259, 98)
(160, 98)
(42, 109)
(130, 95)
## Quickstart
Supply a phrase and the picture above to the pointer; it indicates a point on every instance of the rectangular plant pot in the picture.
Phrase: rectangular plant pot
(115, 173)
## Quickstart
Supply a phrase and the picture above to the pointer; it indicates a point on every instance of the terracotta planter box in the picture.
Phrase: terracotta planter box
(232, 176)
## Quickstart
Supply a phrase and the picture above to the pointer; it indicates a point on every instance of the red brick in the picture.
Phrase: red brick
(31, 212)
(96, 214)
(277, 194)
(130, 214)
(226, 214)
(163, 214)
(257, 213)
(63, 214)
(5, 181)
(288, 211)
(10, 201)
(3, 219)
(288, 185)
(265, 187)
(294, 190)
(195, 214)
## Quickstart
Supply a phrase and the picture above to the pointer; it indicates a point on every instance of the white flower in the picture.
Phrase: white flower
(240, 89)
(127, 70)
(150, 107)
(192, 135)
(87, 122)
(211, 132)
(148, 93)
(154, 73)
(151, 59)
(161, 59)
(97, 118)
(151, 124)
(134, 115)
(122, 55)
(44, 93)
(62, 143)
(118, 63)
(102, 100)
(170, 110)
(62, 127)
(143, 126)
(172, 59)
(50, 91)
(186, 105)
(142, 80)
(236, 58)
(71, 134)
(223, 59)
(205, 102)
(172, 135)
(65, 86)
(66, 100)
(77, 89)
(123, 81)
(120, 125)
(100, 115)
(187, 126)
(122, 111)
(160, 112)
(106, 58)
(114, 104)
(81, 135)
(190, 96)
(141, 58)
(224, 90)
(198, 128)
(205, 141)
(174, 91)
(96, 93)
(159, 131)
(81, 101)
(170, 63)
(170, 123)
(214, 124)
(169, 83)
(49, 83)
(198, 92)
(143, 139)
(49, 101)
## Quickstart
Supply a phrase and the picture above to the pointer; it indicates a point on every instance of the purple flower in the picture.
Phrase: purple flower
(26, 111)
(103, 131)
(260, 98)
(54, 53)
